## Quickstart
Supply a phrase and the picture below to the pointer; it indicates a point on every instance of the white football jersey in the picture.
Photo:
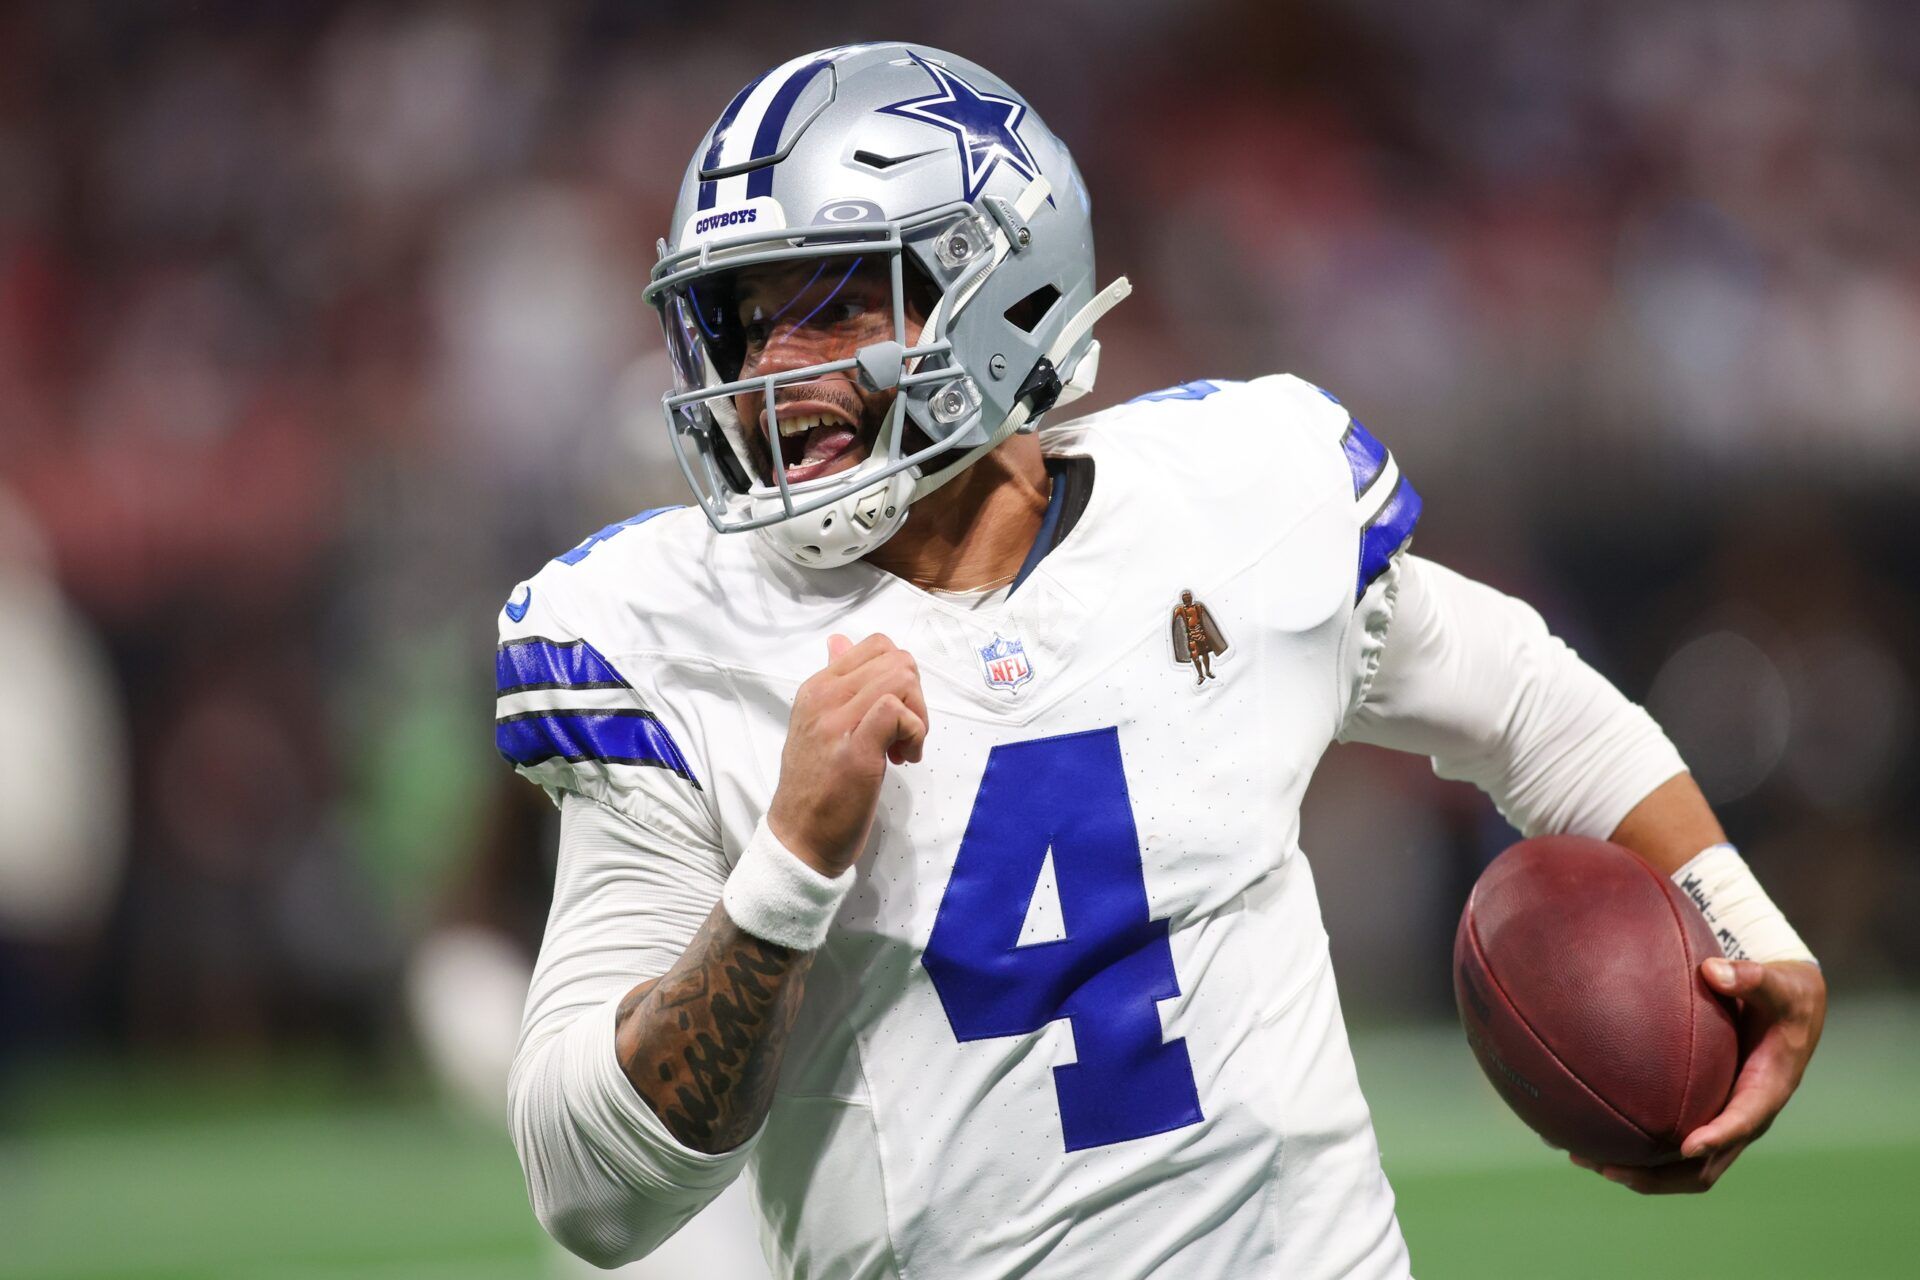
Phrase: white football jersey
(1076, 1017)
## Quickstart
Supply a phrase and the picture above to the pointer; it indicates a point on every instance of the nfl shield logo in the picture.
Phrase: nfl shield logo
(1005, 664)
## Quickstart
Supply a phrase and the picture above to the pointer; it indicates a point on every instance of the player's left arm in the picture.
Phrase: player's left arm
(1452, 669)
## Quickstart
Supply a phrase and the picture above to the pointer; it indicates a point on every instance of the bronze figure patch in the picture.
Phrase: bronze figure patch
(1196, 636)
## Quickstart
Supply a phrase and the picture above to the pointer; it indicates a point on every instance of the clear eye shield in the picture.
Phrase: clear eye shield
(847, 287)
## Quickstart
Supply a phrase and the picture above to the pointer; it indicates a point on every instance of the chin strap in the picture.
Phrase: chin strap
(1081, 380)
(1075, 329)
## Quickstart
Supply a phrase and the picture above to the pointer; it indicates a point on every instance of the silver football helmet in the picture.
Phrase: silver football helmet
(929, 170)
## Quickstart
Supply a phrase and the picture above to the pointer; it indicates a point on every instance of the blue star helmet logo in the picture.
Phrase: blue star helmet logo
(984, 125)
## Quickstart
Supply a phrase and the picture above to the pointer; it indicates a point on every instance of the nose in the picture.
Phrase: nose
(792, 344)
(810, 331)
(788, 347)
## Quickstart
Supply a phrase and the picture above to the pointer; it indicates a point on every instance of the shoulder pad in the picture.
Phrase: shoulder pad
(566, 716)
(1385, 506)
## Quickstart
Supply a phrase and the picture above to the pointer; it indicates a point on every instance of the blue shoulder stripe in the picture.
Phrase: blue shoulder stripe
(1199, 389)
(612, 737)
(593, 540)
(1366, 457)
(521, 665)
(1386, 533)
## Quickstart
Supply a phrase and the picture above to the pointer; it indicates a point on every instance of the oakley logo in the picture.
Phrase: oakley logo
(850, 211)
(731, 218)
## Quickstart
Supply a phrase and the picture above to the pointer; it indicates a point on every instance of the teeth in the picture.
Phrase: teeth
(800, 423)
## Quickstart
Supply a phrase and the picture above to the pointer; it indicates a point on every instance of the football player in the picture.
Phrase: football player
(906, 867)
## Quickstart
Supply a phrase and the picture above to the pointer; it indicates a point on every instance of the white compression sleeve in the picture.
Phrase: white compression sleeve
(1474, 679)
(606, 1177)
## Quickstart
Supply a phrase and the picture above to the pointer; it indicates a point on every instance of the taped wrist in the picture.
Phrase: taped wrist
(1739, 911)
(773, 895)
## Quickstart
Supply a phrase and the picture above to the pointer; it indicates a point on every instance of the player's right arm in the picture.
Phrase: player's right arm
(634, 1103)
(702, 1044)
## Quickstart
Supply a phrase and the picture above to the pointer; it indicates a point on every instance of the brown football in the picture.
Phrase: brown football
(1577, 971)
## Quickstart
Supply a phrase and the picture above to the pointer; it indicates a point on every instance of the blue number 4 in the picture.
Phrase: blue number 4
(1067, 795)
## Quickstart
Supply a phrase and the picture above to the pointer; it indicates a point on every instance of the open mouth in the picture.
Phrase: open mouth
(816, 440)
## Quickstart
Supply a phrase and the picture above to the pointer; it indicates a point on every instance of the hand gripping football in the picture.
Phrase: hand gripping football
(1577, 971)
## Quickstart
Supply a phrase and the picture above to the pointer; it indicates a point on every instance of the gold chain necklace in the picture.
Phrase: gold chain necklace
(973, 590)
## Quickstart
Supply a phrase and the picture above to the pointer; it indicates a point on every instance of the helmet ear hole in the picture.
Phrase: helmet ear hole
(1027, 314)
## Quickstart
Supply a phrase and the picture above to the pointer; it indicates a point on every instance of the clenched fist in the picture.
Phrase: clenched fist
(862, 710)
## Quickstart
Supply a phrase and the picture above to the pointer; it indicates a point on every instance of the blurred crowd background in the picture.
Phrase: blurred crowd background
(321, 327)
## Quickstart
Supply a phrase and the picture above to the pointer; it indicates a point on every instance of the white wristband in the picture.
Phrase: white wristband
(773, 895)
(1743, 917)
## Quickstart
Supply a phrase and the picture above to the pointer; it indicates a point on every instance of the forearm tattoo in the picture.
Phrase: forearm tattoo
(703, 1044)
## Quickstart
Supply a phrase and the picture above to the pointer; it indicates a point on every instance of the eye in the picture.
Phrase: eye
(849, 309)
(753, 327)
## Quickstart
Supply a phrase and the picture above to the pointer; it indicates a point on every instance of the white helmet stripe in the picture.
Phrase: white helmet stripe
(755, 129)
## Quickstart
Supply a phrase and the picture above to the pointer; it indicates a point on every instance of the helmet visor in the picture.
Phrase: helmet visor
(747, 321)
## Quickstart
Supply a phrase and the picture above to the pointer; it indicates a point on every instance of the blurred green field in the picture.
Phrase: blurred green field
(286, 1177)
